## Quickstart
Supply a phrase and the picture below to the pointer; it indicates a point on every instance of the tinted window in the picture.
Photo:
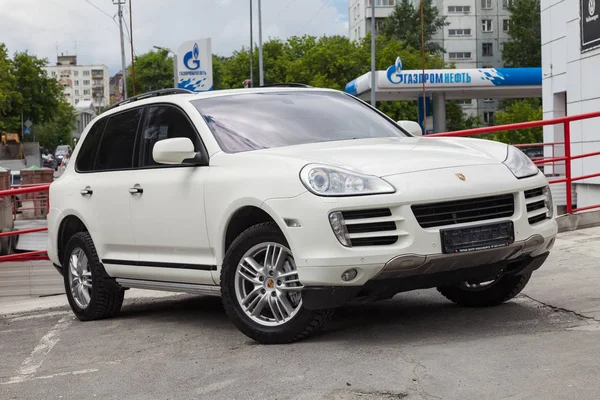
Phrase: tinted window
(263, 120)
(164, 122)
(118, 141)
(89, 147)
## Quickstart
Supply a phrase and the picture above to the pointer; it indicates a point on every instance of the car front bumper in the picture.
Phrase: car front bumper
(321, 259)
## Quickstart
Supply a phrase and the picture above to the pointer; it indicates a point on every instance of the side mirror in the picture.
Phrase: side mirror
(412, 127)
(175, 151)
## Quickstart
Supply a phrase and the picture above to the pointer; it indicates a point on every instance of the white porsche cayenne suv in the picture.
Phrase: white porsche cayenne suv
(287, 203)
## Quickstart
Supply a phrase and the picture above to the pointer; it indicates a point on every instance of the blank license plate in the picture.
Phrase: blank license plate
(482, 237)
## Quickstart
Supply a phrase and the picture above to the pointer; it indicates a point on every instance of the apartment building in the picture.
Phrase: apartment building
(81, 82)
(473, 38)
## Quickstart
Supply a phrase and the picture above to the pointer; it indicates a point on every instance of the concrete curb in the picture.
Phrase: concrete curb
(572, 222)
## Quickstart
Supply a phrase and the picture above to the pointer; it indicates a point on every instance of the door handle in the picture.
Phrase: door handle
(136, 190)
(87, 191)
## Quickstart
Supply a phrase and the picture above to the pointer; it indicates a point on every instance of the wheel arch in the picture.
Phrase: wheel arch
(242, 218)
(70, 225)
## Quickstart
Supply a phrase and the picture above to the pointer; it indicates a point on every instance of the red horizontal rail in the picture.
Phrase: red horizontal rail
(28, 256)
(24, 231)
(534, 144)
(519, 125)
(13, 192)
(586, 208)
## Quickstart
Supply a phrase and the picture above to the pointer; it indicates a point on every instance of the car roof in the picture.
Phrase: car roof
(185, 97)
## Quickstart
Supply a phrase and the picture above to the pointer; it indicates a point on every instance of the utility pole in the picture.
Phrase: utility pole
(251, 49)
(261, 75)
(131, 42)
(373, 71)
(123, 70)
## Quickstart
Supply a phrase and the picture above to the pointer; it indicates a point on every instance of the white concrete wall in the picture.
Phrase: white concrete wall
(569, 74)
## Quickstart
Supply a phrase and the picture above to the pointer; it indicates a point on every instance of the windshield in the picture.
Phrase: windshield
(255, 121)
(62, 149)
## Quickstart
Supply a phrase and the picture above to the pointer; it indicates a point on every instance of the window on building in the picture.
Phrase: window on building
(505, 25)
(506, 3)
(488, 117)
(86, 92)
(86, 83)
(76, 101)
(488, 100)
(466, 102)
(117, 145)
(486, 4)
(53, 73)
(459, 32)
(75, 73)
(86, 73)
(459, 9)
(76, 83)
(486, 25)
(379, 25)
(487, 49)
(459, 55)
(383, 3)
(76, 92)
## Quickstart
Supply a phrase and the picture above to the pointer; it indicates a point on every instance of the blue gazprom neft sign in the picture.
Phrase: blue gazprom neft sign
(419, 77)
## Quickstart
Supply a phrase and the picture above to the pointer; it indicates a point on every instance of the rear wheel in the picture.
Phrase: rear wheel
(485, 294)
(91, 292)
(260, 289)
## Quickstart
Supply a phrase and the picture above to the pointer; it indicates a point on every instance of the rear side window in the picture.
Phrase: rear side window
(164, 122)
(89, 147)
(118, 141)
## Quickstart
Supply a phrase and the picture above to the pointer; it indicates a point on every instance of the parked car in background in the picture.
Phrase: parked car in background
(61, 152)
(289, 203)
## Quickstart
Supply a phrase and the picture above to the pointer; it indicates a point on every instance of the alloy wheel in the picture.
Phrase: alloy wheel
(267, 286)
(80, 278)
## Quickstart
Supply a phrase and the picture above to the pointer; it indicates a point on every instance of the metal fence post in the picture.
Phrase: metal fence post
(567, 135)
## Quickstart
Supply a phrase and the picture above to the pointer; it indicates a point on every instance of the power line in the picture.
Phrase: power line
(101, 10)
(289, 3)
(317, 13)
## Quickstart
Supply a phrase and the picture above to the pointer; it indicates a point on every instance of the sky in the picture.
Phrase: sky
(86, 27)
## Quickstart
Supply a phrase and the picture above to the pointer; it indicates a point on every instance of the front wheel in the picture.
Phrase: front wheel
(261, 291)
(485, 294)
(91, 292)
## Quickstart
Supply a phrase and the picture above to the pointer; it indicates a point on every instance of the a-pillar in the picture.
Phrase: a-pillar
(439, 112)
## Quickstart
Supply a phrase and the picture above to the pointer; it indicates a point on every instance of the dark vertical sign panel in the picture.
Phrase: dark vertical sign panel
(590, 25)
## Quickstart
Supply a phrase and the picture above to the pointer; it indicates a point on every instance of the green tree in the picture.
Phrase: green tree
(457, 119)
(524, 47)
(520, 111)
(404, 24)
(58, 130)
(25, 89)
(153, 71)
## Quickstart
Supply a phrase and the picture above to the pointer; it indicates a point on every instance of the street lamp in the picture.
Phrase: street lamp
(168, 50)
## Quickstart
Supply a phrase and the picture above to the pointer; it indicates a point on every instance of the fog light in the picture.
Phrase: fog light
(350, 274)
(548, 202)
(336, 219)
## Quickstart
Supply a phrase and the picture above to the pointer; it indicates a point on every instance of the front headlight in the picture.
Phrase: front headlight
(520, 165)
(323, 180)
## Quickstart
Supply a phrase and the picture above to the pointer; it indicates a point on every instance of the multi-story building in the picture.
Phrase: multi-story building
(81, 82)
(473, 37)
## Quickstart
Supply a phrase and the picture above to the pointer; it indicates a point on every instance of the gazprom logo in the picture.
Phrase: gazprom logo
(393, 72)
(190, 60)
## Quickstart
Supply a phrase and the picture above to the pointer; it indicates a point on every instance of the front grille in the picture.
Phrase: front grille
(373, 227)
(537, 201)
(463, 211)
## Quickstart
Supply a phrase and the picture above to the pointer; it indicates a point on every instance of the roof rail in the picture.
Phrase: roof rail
(291, 84)
(161, 92)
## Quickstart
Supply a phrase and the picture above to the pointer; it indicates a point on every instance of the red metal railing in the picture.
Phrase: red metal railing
(44, 204)
(567, 158)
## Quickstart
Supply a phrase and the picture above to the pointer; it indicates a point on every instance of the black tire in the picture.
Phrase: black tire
(106, 296)
(303, 324)
(501, 291)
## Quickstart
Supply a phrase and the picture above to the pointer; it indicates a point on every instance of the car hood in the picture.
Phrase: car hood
(391, 156)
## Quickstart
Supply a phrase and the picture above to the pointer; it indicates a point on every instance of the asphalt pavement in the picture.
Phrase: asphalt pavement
(545, 344)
